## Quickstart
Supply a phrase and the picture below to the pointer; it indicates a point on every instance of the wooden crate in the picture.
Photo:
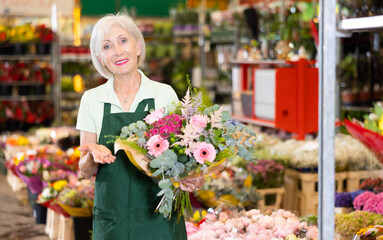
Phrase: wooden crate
(15, 182)
(338, 236)
(275, 192)
(52, 225)
(66, 229)
(302, 186)
(355, 178)
(307, 204)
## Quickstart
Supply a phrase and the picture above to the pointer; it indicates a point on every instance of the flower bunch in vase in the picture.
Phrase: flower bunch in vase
(185, 143)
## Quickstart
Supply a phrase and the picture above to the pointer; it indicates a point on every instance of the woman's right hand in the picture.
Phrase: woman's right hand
(100, 153)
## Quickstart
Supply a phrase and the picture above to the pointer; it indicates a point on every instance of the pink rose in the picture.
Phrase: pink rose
(199, 122)
(157, 145)
(204, 151)
(22, 168)
(154, 116)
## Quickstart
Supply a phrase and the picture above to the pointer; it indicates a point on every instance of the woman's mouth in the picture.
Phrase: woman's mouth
(121, 62)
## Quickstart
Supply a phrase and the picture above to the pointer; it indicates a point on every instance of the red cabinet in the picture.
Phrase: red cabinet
(284, 95)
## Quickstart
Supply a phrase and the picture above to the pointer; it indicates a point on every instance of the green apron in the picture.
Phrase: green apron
(125, 198)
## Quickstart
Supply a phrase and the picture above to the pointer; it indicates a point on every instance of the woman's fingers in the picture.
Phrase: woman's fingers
(104, 157)
(101, 154)
(191, 184)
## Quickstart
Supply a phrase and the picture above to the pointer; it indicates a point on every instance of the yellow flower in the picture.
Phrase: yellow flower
(76, 152)
(196, 216)
(248, 181)
(18, 158)
(22, 141)
(58, 185)
(381, 124)
(203, 213)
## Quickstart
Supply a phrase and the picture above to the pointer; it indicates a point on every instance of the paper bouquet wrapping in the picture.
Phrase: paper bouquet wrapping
(372, 140)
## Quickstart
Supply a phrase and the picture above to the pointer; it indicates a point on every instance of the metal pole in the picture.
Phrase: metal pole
(327, 63)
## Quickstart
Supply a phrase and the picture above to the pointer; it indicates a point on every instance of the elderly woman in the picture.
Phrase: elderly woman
(125, 198)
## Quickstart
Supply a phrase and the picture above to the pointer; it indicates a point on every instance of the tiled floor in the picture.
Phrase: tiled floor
(16, 218)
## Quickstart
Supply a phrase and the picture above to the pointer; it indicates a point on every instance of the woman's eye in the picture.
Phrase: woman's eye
(106, 47)
(124, 40)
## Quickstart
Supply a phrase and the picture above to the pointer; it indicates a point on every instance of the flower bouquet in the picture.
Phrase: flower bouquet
(48, 196)
(371, 132)
(30, 171)
(185, 143)
(78, 200)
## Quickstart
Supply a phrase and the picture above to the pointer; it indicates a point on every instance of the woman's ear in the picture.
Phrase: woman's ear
(99, 59)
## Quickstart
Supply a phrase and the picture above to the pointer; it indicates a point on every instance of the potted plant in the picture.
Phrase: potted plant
(5, 33)
(20, 37)
(44, 38)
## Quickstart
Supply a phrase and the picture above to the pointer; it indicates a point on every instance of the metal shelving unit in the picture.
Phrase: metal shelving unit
(28, 57)
(55, 90)
(327, 84)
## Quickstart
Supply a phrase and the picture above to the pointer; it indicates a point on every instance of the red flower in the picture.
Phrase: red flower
(44, 34)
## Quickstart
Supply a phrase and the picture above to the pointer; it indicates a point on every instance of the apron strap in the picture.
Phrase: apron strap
(106, 108)
(141, 106)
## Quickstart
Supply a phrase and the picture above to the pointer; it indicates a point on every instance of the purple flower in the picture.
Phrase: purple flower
(343, 199)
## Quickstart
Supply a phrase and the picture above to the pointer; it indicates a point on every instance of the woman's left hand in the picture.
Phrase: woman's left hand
(191, 184)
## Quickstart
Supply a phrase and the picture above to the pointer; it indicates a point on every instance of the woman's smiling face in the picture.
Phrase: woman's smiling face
(119, 51)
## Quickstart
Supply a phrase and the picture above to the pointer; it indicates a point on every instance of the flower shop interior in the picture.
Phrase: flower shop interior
(311, 98)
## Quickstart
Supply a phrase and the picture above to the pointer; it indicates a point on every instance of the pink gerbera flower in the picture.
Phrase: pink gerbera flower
(204, 151)
(157, 145)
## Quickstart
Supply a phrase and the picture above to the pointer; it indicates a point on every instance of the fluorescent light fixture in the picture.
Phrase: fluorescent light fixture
(360, 24)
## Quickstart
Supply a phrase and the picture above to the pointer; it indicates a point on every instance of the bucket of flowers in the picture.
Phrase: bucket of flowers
(188, 142)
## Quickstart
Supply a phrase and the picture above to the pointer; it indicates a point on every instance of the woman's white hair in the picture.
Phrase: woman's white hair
(99, 31)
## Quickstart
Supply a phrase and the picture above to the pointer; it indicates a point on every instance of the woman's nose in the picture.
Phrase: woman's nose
(118, 50)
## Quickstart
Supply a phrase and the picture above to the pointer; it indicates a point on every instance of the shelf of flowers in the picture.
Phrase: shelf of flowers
(45, 162)
(26, 76)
